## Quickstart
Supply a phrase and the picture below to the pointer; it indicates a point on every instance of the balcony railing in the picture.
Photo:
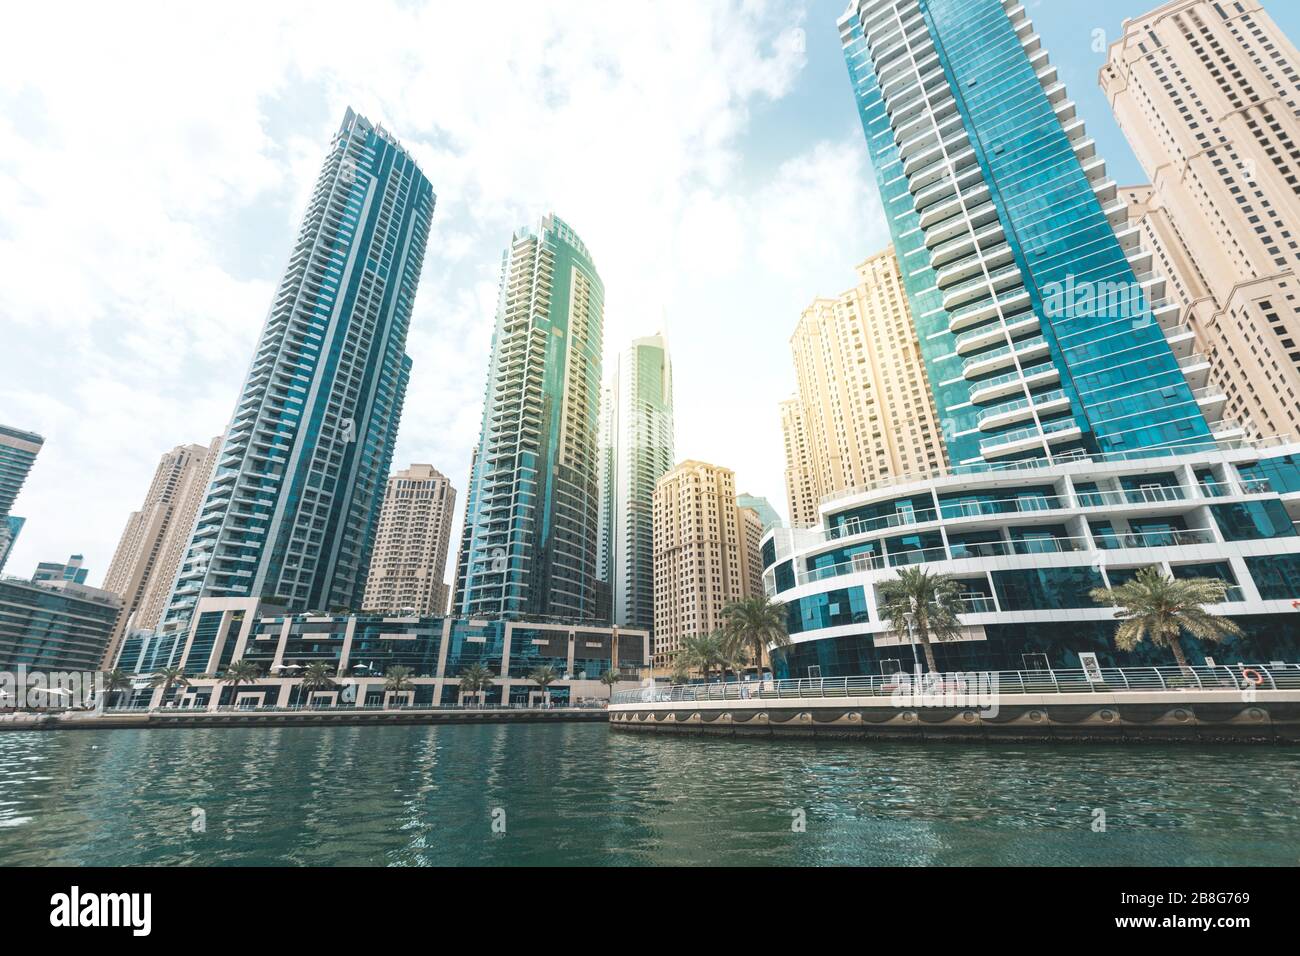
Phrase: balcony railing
(1153, 494)
(1016, 547)
(1229, 678)
(1173, 538)
(899, 519)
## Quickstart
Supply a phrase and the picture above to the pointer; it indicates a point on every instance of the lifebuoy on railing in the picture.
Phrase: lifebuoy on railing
(1252, 675)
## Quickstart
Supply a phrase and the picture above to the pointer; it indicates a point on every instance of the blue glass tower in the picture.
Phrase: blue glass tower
(1044, 331)
(18, 451)
(295, 497)
(528, 547)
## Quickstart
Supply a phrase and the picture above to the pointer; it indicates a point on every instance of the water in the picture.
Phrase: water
(581, 794)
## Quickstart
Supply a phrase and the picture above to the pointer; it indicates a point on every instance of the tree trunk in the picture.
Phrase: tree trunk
(1177, 648)
(929, 653)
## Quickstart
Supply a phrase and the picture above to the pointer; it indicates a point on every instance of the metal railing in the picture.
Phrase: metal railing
(350, 708)
(977, 469)
(1220, 677)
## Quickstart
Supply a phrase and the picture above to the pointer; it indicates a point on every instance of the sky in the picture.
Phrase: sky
(156, 157)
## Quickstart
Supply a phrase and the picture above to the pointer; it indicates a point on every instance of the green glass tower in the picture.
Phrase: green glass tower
(528, 547)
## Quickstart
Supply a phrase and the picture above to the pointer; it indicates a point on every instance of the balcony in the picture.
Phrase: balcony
(987, 335)
(900, 519)
(992, 258)
(967, 243)
(1148, 495)
(995, 282)
(1024, 439)
(1196, 369)
(985, 362)
(972, 196)
(1154, 539)
(1044, 403)
(978, 312)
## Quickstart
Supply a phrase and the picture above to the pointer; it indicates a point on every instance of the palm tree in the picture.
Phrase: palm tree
(702, 652)
(1160, 608)
(476, 679)
(167, 678)
(114, 681)
(317, 676)
(609, 679)
(240, 672)
(544, 677)
(737, 659)
(680, 673)
(397, 679)
(923, 606)
(756, 624)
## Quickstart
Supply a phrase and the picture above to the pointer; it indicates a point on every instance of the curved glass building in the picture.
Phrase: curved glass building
(1028, 543)
(528, 546)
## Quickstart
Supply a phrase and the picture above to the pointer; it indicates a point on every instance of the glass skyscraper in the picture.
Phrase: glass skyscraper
(528, 546)
(18, 451)
(636, 449)
(1043, 328)
(291, 512)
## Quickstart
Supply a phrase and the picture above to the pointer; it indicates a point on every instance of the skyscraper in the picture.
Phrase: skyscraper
(10, 528)
(1206, 93)
(762, 507)
(864, 408)
(528, 548)
(410, 558)
(636, 448)
(18, 450)
(1039, 323)
(295, 499)
(154, 540)
(1076, 413)
(706, 553)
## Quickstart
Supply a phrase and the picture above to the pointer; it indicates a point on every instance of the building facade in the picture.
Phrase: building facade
(71, 571)
(636, 449)
(1044, 328)
(1206, 93)
(863, 412)
(360, 649)
(706, 553)
(528, 547)
(18, 451)
(10, 527)
(410, 560)
(299, 481)
(1027, 545)
(55, 625)
(149, 553)
(761, 507)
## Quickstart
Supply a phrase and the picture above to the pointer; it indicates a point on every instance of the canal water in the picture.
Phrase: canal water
(581, 794)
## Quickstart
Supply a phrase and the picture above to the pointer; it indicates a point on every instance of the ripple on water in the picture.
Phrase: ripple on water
(579, 794)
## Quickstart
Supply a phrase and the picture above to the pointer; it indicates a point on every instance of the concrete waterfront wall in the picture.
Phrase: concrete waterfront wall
(343, 716)
(1187, 716)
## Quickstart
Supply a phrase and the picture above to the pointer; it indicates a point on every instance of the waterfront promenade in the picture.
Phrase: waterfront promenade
(1241, 703)
(171, 717)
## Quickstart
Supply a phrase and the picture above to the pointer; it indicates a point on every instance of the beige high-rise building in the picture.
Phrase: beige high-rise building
(1206, 93)
(706, 553)
(863, 412)
(410, 556)
(149, 553)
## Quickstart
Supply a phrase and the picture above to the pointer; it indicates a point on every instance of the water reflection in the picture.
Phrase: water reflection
(579, 794)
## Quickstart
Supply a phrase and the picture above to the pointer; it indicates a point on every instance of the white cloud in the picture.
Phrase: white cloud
(154, 162)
